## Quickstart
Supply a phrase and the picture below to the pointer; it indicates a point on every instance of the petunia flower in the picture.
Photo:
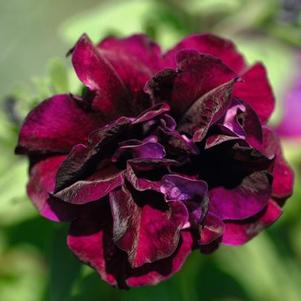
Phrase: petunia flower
(163, 154)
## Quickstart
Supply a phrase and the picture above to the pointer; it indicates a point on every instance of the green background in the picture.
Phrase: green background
(35, 35)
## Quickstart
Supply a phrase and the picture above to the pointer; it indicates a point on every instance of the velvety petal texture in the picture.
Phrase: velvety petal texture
(56, 125)
(283, 174)
(243, 201)
(41, 186)
(146, 231)
(161, 154)
(238, 233)
(96, 72)
(195, 75)
(135, 59)
(90, 239)
(216, 46)
(255, 90)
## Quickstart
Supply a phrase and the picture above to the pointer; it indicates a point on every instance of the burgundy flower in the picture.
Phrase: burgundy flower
(161, 155)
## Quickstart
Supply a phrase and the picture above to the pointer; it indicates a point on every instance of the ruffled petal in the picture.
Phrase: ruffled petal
(252, 126)
(220, 138)
(147, 174)
(55, 125)
(232, 121)
(90, 239)
(228, 163)
(238, 233)
(41, 184)
(196, 75)
(174, 142)
(145, 226)
(147, 149)
(192, 192)
(211, 232)
(83, 160)
(283, 182)
(93, 188)
(177, 187)
(152, 113)
(135, 59)
(255, 90)
(239, 122)
(221, 48)
(138, 50)
(205, 111)
(163, 269)
(242, 201)
(97, 73)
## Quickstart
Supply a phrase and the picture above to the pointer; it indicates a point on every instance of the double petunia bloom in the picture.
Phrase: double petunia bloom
(160, 155)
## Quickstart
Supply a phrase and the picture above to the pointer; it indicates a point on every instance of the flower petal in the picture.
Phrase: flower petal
(228, 163)
(90, 239)
(177, 187)
(174, 142)
(142, 150)
(135, 59)
(83, 160)
(208, 44)
(252, 126)
(242, 201)
(205, 111)
(217, 139)
(192, 192)
(41, 184)
(55, 125)
(196, 75)
(283, 182)
(96, 72)
(92, 188)
(211, 233)
(240, 121)
(137, 50)
(163, 269)
(147, 174)
(238, 233)
(147, 230)
(255, 90)
(152, 113)
(231, 120)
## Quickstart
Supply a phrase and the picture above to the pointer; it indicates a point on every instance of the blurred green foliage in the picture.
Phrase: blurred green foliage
(35, 264)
